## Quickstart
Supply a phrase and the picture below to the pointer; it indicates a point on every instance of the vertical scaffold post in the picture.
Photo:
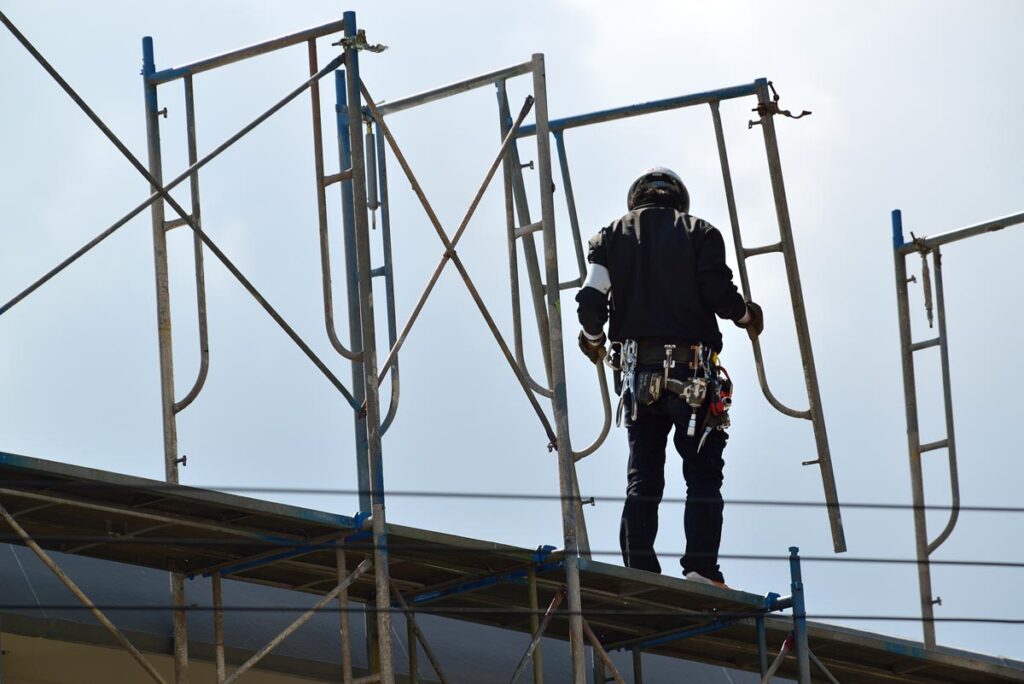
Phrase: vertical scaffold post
(354, 324)
(538, 660)
(369, 350)
(352, 282)
(166, 350)
(341, 565)
(762, 646)
(218, 628)
(803, 334)
(924, 577)
(566, 466)
(803, 659)
(410, 640)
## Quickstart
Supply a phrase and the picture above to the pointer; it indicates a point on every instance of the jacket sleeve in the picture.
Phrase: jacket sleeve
(593, 296)
(714, 278)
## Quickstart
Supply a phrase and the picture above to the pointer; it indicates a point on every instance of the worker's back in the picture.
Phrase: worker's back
(668, 277)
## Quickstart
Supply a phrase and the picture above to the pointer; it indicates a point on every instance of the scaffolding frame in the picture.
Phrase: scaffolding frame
(114, 515)
(929, 248)
(767, 108)
(362, 173)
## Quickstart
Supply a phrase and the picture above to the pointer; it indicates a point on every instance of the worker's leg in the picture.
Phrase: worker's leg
(702, 520)
(645, 482)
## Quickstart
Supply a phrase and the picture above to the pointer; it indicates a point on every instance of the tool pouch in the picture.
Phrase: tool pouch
(648, 387)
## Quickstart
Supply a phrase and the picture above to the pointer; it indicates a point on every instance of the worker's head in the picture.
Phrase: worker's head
(658, 187)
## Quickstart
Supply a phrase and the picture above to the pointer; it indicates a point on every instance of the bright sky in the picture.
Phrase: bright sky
(913, 108)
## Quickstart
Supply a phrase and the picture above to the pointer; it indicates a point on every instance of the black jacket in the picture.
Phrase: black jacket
(668, 279)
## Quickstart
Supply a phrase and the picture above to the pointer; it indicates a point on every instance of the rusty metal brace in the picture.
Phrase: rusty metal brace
(772, 107)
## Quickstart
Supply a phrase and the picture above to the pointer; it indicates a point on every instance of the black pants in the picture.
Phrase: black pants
(702, 519)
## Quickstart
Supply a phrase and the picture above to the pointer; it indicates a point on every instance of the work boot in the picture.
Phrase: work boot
(695, 576)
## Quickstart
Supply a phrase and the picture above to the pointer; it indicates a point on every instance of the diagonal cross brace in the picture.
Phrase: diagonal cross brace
(80, 595)
(302, 619)
(451, 255)
(548, 614)
(420, 636)
(601, 654)
(163, 191)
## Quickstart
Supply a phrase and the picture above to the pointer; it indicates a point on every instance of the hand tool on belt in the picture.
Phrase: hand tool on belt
(707, 383)
(627, 386)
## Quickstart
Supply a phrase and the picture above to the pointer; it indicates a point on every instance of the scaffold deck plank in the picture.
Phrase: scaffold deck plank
(149, 523)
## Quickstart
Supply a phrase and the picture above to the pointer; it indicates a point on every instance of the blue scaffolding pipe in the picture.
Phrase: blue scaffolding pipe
(481, 582)
(284, 555)
(897, 229)
(628, 111)
(715, 626)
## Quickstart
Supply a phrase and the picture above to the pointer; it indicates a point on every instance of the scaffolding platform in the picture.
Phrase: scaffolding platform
(198, 531)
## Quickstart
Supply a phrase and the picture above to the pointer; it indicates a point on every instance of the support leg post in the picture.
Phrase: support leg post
(924, 577)
(803, 334)
(762, 647)
(538, 660)
(410, 638)
(566, 465)
(372, 414)
(803, 660)
(341, 562)
(166, 350)
(600, 677)
(218, 628)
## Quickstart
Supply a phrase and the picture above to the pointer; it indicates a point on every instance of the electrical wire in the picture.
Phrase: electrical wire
(516, 612)
(160, 487)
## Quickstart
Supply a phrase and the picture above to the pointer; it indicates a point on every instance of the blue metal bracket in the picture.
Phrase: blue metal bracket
(360, 517)
(771, 601)
(542, 553)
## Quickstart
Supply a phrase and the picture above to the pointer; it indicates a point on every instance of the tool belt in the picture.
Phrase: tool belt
(689, 371)
(654, 352)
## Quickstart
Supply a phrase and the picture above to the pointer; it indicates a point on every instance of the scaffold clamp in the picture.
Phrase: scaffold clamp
(359, 43)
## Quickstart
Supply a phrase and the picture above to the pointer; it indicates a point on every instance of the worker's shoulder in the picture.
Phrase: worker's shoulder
(664, 217)
(695, 223)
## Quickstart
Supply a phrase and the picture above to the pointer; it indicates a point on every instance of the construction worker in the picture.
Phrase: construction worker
(663, 273)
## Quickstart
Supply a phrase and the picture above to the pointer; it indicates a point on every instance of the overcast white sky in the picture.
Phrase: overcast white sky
(915, 106)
